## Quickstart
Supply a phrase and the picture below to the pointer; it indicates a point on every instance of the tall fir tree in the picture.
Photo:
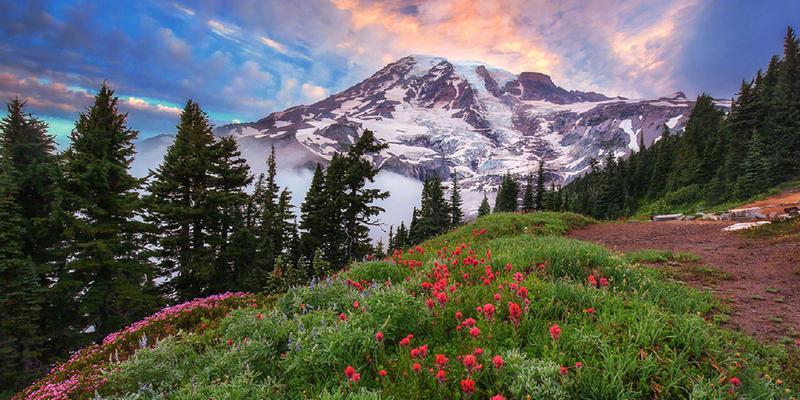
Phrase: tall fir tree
(311, 214)
(484, 208)
(183, 207)
(390, 241)
(540, 188)
(320, 265)
(662, 167)
(507, 195)
(108, 280)
(360, 209)
(334, 241)
(456, 214)
(401, 237)
(758, 167)
(32, 169)
(529, 197)
(435, 214)
(269, 229)
(231, 175)
(21, 339)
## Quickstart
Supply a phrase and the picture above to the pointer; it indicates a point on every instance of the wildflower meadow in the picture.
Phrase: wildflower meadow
(503, 308)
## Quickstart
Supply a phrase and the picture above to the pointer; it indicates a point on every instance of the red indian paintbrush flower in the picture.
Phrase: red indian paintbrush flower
(441, 376)
(468, 386)
(379, 336)
(416, 367)
(555, 332)
(475, 332)
(735, 381)
(441, 360)
(383, 372)
(498, 397)
(563, 370)
(349, 371)
(469, 362)
(488, 310)
(514, 313)
(498, 361)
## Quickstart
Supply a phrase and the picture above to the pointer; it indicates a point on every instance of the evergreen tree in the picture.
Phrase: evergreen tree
(378, 253)
(414, 232)
(360, 210)
(320, 265)
(108, 278)
(269, 229)
(484, 208)
(334, 241)
(276, 280)
(663, 155)
(758, 166)
(435, 214)
(506, 200)
(540, 189)
(528, 197)
(294, 274)
(390, 243)
(401, 237)
(184, 207)
(31, 168)
(237, 259)
(287, 225)
(456, 215)
(311, 214)
(784, 134)
(21, 338)
(230, 176)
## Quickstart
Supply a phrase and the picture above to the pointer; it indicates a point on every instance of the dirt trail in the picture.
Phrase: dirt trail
(764, 285)
(776, 204)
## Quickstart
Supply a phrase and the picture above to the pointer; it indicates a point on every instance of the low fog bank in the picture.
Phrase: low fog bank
(294, 174)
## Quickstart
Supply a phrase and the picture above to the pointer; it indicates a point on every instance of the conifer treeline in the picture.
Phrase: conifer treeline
(436, 215)
(718, 158)
(83, 253)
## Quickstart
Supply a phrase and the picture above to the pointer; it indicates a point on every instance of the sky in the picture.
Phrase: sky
(245, 59)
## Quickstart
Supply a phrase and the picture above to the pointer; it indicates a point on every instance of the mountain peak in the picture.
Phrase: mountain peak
(538, 78)
(440, 116)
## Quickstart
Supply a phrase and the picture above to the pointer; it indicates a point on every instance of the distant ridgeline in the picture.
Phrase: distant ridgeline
(718, 158)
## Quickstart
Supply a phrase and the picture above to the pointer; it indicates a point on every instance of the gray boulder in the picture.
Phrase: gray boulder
(668, 217)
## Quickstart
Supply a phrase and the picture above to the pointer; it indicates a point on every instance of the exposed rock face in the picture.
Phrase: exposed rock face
(441, 117)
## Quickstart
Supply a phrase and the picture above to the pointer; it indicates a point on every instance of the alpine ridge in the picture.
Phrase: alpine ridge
(466, 118)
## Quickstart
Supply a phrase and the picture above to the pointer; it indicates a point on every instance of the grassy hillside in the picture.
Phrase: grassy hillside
(503, 306)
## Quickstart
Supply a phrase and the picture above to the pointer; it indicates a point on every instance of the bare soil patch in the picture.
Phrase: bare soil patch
(759, 278)
(776, 204)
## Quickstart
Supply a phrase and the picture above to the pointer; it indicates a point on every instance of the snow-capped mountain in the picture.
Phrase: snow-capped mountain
(446, 117)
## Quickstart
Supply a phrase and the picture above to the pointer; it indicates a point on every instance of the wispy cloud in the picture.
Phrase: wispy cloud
(244, 59)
